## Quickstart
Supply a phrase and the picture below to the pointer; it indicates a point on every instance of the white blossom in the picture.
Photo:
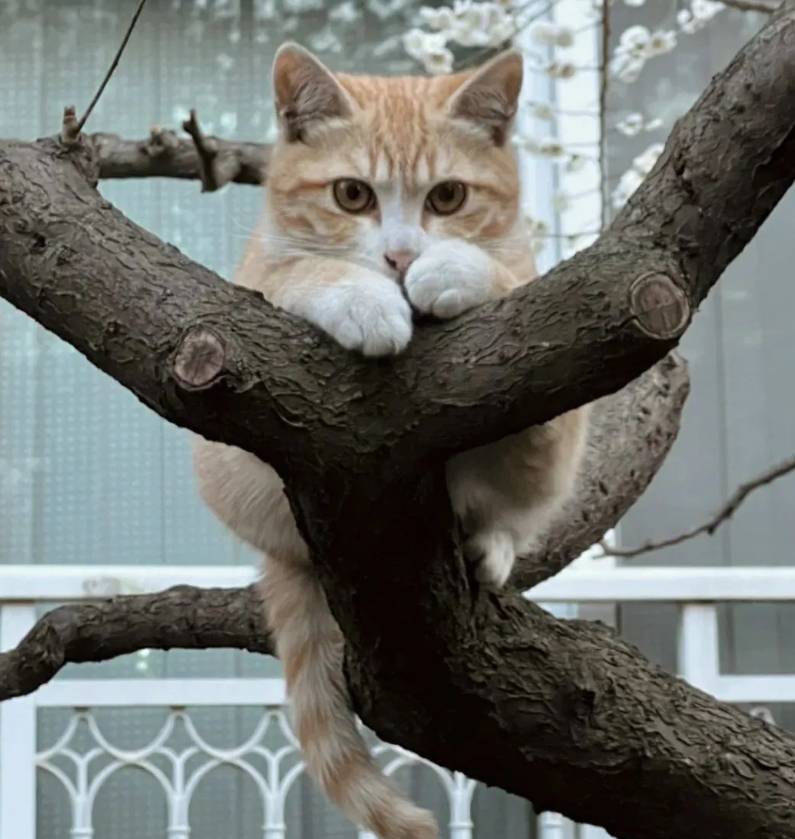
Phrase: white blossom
(561, 70)
(546, 147)
(575, 163)
(561, 202)
(345, 12)
(635, 47)
(632, 124)
(430, 49)
(698, 15)
(541, 110)
(661, 42)
(537, 230)
(553, 34)
(633, 177)
(481, 24)
(441, 18)
(466, 22)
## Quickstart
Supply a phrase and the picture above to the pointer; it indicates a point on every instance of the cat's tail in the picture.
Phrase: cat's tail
(310, 646)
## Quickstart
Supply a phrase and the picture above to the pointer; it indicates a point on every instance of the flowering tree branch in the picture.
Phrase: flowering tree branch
(563, 713)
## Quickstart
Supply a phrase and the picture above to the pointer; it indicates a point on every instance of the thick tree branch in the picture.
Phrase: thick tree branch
(631, 433)
(560, 712)
(518, 360)
(183, 616)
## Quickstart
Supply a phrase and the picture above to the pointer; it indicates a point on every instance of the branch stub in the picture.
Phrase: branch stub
(660, 308)
(199, 359)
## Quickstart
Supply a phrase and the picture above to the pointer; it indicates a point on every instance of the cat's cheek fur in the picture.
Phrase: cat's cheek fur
(365, 313)
(450, 277)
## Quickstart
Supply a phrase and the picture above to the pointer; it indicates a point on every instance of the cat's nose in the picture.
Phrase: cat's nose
(400, 260)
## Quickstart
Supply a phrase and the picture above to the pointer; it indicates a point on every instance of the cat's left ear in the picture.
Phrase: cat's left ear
(490, 97)
(305, 91)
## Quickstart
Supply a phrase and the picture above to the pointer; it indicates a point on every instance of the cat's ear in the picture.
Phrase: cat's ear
(305, 91)
(490, 96)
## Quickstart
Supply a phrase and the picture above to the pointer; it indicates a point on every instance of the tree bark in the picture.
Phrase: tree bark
(563, 713)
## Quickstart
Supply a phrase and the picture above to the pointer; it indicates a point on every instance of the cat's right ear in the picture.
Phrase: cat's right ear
(305, 91)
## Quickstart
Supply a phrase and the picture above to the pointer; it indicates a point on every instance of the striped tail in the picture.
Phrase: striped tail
(310, 646)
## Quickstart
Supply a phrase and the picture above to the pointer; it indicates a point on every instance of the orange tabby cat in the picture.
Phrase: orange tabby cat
(386, 196)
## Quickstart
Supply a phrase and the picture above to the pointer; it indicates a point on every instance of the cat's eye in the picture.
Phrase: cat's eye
(446, 198)
(353, 196)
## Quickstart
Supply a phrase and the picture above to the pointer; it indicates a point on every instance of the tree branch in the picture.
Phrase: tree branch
(215, 170)
(560, 712)
(766, 6)
(184, 616)
(712, 524)
(166, 155)
(631, 432)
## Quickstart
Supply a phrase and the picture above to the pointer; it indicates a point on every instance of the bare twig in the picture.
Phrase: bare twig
(710, 526)
(766, 6)
(70, 128)
(207, 151)
(112, 67)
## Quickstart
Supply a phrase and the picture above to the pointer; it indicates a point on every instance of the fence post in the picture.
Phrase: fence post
(17, 739)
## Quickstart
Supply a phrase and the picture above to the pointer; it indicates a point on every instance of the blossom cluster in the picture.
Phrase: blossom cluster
(633, 177)
(471, 23)
(466, 23)
(698, 15)
(635, 47)
(637, 44)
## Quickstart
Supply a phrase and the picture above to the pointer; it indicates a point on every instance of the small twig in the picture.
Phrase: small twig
(70, 128)
(766, 6)
(112, 67)
(710, 526)
(207, 152)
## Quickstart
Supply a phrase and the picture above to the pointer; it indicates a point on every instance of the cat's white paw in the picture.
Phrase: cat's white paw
(493, 554)
(366, 314)
(449, 278)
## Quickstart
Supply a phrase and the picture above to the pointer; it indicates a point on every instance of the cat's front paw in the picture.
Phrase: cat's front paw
(492, 553)
(368, 315)
(449, 278)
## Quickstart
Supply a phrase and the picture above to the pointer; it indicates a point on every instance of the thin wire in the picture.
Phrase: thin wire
(113, 66)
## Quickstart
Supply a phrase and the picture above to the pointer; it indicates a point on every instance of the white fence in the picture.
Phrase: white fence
(697, 591)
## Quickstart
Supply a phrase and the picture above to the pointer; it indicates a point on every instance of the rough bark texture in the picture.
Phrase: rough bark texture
(166, 155)
(560, 712)
(183, 616)
(631, 432)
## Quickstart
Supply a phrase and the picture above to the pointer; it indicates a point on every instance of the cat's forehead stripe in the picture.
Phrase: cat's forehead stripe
(401, 142)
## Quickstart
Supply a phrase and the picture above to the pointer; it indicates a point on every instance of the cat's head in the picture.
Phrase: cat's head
(376, 169)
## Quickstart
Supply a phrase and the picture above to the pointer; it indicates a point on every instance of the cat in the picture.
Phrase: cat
(386, 198)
